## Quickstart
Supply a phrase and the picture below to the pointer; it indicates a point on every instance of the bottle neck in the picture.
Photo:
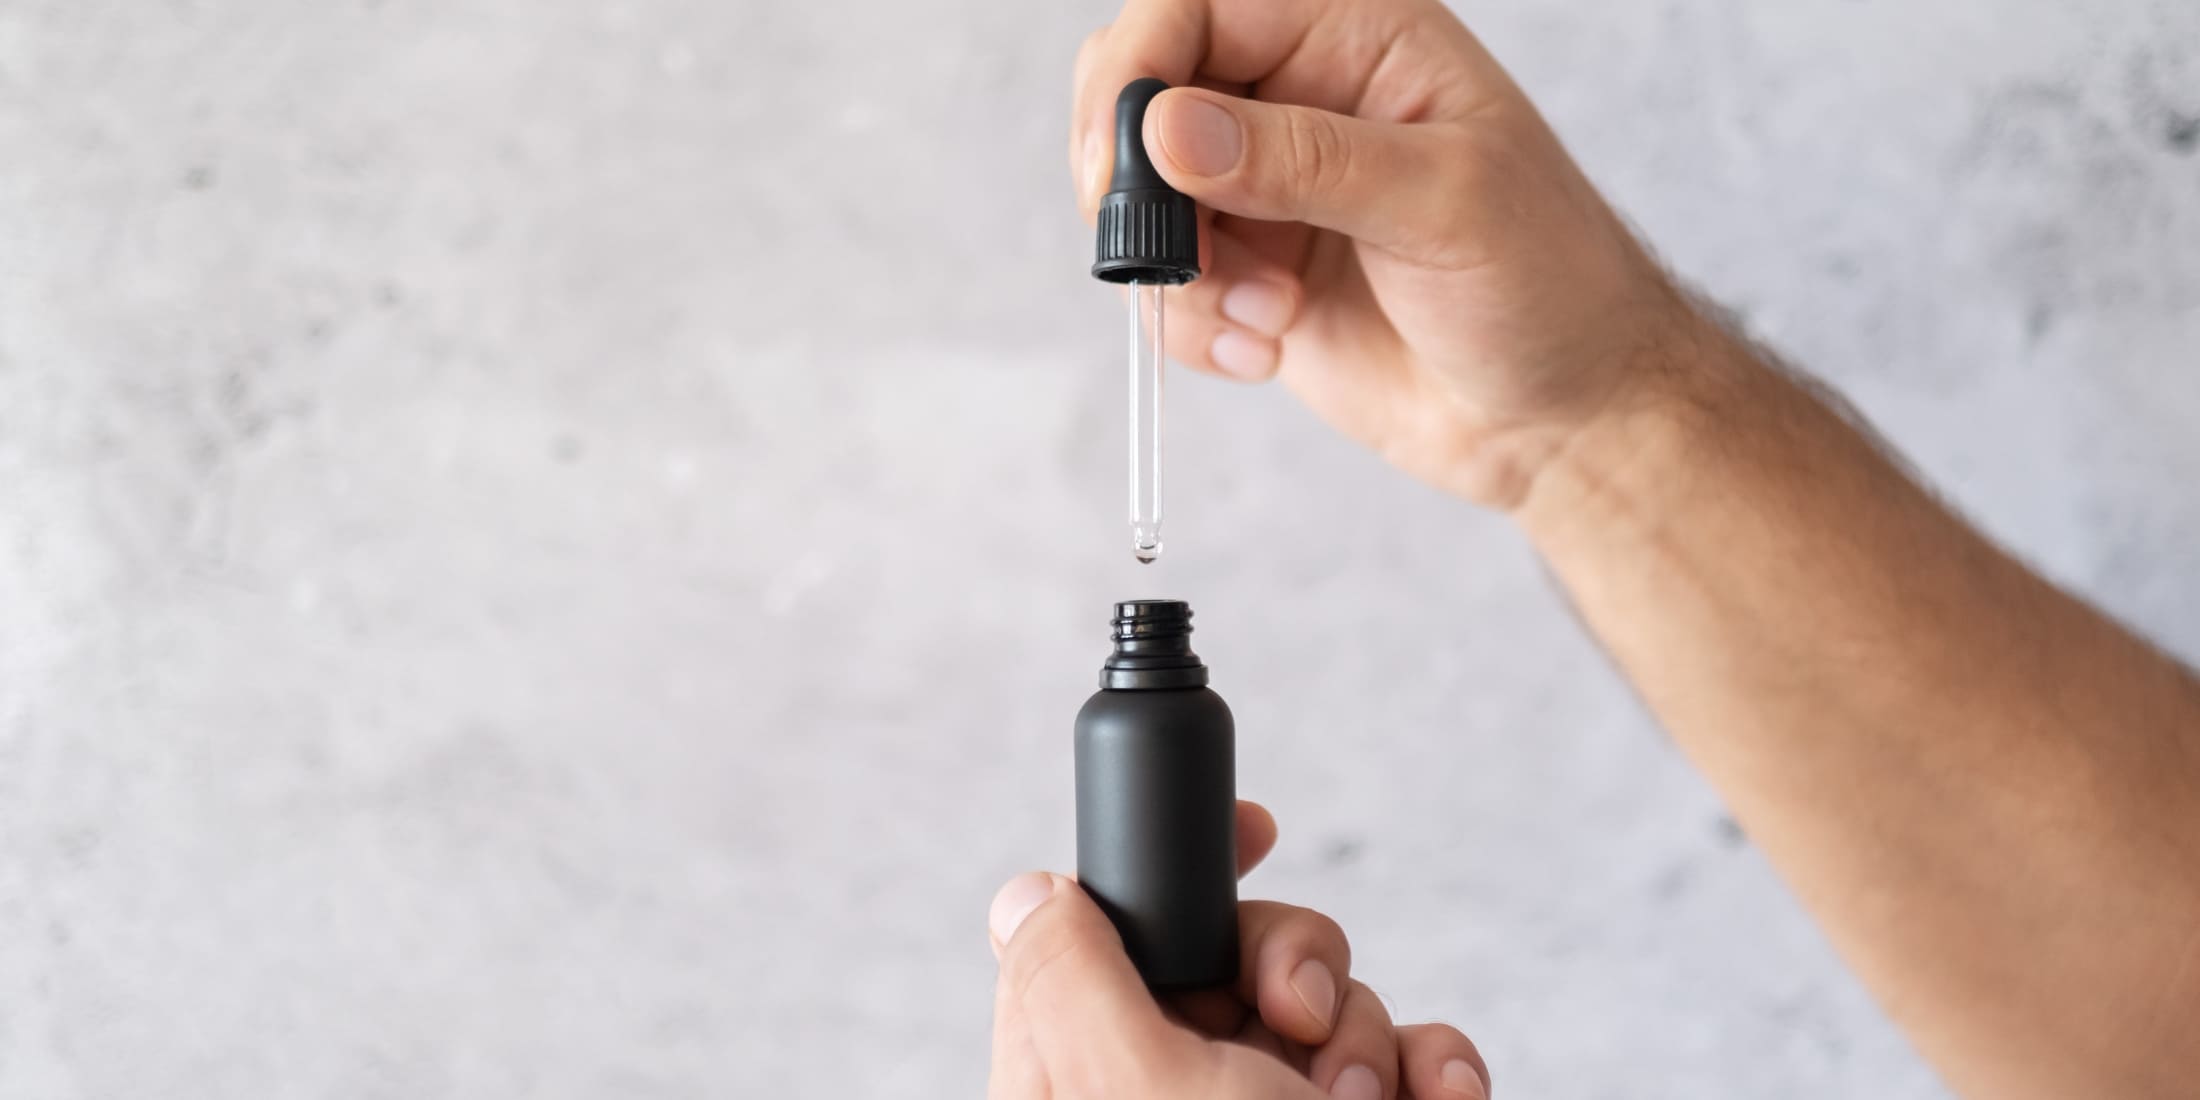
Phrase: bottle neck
(1153, 648)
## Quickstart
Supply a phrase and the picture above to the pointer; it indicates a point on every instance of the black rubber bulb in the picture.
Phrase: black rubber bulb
(1134, 170)
(1148, 230)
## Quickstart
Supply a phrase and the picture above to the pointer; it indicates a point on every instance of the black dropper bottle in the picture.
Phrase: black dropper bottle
(1157, 802)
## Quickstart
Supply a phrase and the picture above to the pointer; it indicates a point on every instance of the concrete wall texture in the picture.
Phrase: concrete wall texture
(548, 548)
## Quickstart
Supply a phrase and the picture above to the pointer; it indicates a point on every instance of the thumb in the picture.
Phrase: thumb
(1374, 181)
(1066, 983)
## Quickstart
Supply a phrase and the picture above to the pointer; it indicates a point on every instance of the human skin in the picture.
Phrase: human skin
(1072, 1020)
(1985, 791)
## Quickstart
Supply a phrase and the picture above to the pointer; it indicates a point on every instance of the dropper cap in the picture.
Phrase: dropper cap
(1149, 231)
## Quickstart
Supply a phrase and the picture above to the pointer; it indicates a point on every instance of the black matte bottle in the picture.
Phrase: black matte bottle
(1157, 802)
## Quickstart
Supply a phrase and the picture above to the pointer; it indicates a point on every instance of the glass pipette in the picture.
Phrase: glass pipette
(1149, 240)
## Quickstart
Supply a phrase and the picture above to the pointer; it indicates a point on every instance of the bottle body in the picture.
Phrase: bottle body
(1157, 828)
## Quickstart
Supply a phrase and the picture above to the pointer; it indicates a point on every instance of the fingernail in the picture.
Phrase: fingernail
(1259, 304)
(1016, 900)
(1357, 1083)
(1201, 138)
(1458, 1076)
(1243, 356)
(1091, 170)
(1316, 989)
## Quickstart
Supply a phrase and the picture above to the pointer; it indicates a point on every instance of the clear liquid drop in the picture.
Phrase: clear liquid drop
(1145, 547)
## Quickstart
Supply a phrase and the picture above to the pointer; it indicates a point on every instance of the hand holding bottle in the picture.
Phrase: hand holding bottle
(1072, 1021)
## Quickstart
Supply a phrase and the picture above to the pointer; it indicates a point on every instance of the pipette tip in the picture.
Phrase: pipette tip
(1145, 548)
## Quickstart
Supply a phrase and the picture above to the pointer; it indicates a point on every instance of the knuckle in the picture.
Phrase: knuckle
(1039, 958)
(1487, 176)
(1488, 163)
(1175, 1070)
(1323, 930)
(1212, 1069)
(1445, 1033)
(1090, 48)
(1372, 1006)
(1320, 155)
(1433, 1041)
(1364, 1036)
(1431, 1045)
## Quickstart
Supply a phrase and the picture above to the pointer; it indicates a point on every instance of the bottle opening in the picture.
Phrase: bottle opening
(1153, 647)
(1152, 619)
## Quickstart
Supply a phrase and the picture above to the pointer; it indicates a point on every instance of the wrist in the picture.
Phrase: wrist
(1630, 459)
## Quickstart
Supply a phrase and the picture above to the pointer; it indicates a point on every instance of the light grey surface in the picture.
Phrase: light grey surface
(543, 552)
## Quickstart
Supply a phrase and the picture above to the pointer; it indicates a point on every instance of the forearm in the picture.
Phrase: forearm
(1988, 793)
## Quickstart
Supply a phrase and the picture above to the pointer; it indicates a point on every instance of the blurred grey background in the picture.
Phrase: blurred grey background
(548, 548)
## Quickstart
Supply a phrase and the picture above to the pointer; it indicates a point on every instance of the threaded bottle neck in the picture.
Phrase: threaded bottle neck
(1153, 648)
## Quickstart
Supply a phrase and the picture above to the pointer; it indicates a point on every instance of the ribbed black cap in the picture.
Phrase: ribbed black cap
(1149, 231)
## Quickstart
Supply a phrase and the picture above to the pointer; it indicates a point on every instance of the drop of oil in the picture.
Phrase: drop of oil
(1146, 540)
